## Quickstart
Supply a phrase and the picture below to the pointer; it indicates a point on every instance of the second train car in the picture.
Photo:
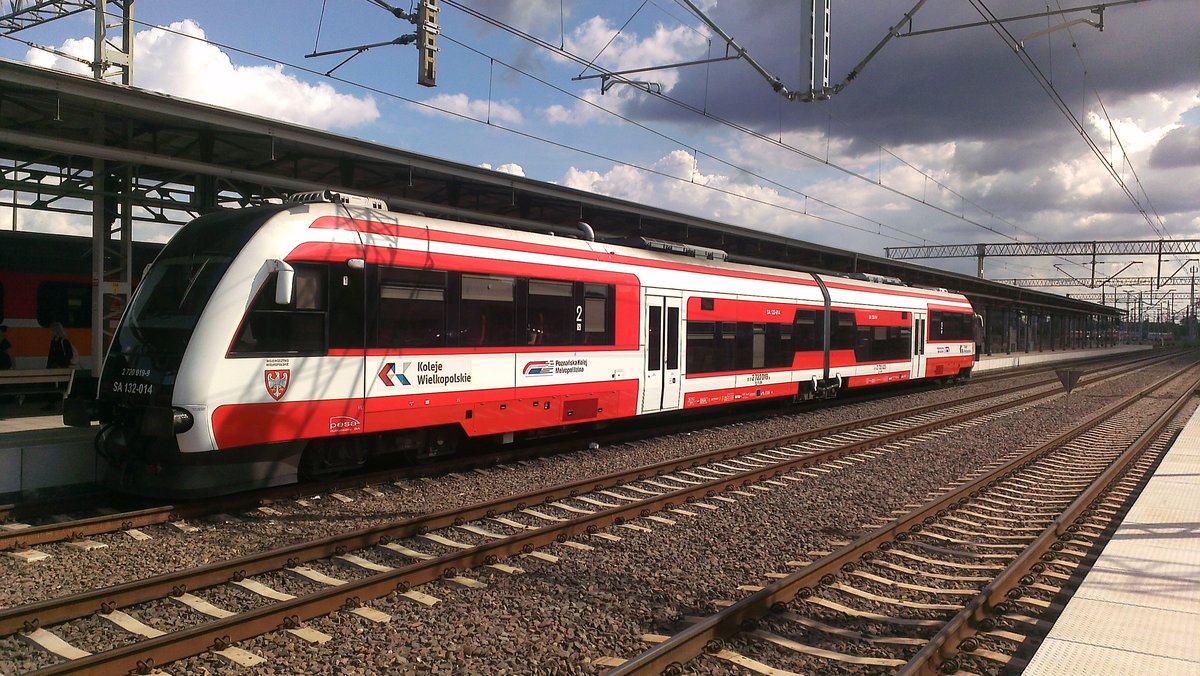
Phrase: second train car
(273, 342)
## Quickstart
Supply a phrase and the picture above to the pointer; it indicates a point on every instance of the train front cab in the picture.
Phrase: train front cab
(141, 421)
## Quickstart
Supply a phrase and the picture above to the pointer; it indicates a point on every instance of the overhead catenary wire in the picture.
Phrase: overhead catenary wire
(531, 136)
(878, 229)
(497, 23)
(1112, 127)
(1048, 87)
(726, 122)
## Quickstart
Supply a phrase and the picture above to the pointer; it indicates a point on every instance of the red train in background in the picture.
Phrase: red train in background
(311, 337)
(46, 278)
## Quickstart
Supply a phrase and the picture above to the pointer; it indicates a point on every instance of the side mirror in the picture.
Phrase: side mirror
(283, 282)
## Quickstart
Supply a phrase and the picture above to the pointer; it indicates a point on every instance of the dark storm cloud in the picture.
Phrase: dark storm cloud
(960, 85)
(1179, 148)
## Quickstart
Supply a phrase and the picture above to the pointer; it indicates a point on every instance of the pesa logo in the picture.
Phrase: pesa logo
(342, 423)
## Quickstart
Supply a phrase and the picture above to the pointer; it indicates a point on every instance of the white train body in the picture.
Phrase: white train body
(410, 334)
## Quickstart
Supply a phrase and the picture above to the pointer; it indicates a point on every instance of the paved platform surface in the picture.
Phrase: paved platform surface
(27, 416)
(1138, 609)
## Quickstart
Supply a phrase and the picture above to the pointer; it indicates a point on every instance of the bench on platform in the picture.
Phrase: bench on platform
(21, 382)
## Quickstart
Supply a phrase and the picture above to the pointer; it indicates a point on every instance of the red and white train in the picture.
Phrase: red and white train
(271, 342)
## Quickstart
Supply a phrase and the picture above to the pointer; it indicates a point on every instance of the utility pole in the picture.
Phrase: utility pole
(427, 43)
(1191, 322)
(426, 39)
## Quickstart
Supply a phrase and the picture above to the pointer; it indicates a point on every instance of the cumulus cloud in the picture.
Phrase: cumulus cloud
(593, 109)
(1179, 147)
(622, 50)
(461, 104)
(679, 182)
(176, 61)
(506, 168)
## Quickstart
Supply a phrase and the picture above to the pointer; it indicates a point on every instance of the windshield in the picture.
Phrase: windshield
(179, 283)
(170, 300)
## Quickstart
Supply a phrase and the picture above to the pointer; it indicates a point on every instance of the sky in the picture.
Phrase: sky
(946, 137)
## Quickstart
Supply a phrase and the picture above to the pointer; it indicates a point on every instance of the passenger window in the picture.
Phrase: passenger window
(842, 331)
(412, 308)
(701, 352)
(758, 346)
(598, 309)
(727, 346)
(298, 328)
(551, 314)
(487, 311)
(808, 333)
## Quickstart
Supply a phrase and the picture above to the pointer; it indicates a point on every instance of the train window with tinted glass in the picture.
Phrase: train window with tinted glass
(701, 352)
(412, 308)
(807, 331)
(882, 343)
(779, 346)
(950, 326)
(64, 302)
(597, 310)
(487, 311)
(758, 346)
(727, 346)
(551, 313)
(296, 328)
(937, 327)
(842, 331)
(743, 346)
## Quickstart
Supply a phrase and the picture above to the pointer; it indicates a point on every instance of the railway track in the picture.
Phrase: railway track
(20, 536)
(956, 584)
(411, 552)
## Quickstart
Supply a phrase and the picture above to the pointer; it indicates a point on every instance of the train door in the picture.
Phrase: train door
(919, 332)
(346, 378)
(662, 386)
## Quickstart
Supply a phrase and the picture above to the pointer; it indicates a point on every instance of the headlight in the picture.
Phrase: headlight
(181, 420)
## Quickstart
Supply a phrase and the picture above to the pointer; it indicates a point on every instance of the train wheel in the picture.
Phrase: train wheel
(441, 441)
(329, 457)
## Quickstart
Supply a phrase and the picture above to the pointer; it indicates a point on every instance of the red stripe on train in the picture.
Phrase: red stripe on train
(478, 412)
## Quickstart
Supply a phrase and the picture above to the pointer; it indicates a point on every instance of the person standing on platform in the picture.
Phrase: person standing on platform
(61, 356)
(62, 353)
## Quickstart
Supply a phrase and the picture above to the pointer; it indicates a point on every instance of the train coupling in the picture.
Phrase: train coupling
(826, 388)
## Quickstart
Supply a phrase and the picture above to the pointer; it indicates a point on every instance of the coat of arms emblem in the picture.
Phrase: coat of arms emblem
(277, 382)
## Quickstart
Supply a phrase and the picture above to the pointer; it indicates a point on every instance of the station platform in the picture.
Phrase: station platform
(1014, 360)
(1138, 609)
(39, 454)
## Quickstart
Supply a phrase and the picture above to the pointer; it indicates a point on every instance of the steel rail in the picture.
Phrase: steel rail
(53, 611)
(941, 648)
(194, 640)
(710, 631)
